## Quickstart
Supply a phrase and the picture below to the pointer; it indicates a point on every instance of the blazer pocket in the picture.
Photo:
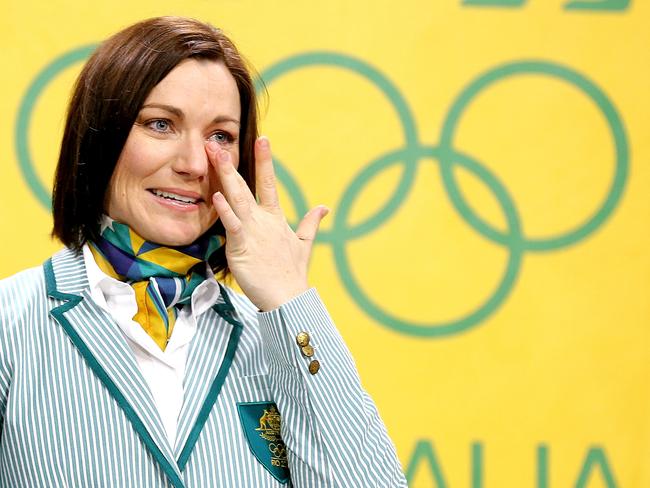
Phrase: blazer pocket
(260, 422)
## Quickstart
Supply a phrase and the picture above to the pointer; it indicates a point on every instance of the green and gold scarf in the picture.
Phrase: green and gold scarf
(162, 277)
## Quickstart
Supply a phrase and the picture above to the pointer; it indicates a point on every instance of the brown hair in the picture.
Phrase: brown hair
(106, 100)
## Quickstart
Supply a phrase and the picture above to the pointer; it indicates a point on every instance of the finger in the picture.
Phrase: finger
(230, 221)
(265, 181)
(308, 227)
(233, 186)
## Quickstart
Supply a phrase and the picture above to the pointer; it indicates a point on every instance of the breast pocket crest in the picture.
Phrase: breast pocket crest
(261, 423)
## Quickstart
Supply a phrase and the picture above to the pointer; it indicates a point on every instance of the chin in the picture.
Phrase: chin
(177, 239)
(174, 242)
(177, 236)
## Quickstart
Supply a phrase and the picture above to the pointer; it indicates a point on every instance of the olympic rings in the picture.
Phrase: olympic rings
(279, 450)
(474, 317)
(413, 151)
(601, 101)
(409, 155)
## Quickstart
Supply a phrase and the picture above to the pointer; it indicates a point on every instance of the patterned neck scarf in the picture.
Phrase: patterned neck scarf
(162, 277)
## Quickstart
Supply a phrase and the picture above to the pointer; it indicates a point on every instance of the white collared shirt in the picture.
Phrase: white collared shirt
(164, 371)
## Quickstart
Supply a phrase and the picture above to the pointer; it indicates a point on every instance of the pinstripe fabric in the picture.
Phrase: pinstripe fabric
(66, 425)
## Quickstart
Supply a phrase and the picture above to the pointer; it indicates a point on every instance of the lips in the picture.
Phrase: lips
(181, 196)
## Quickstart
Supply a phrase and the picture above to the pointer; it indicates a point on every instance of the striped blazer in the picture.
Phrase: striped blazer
(76, 412)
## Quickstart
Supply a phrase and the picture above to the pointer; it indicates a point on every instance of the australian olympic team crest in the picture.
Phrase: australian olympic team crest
(261, 422)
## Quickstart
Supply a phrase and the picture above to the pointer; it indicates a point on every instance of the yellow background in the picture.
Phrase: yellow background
(562, 365)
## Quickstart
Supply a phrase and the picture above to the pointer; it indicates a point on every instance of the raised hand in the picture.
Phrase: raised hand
(267, 258)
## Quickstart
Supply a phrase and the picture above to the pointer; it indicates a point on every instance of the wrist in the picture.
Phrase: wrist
(280, 297)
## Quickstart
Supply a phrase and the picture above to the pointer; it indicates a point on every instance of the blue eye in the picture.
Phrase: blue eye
(222, 137)
(159, 125)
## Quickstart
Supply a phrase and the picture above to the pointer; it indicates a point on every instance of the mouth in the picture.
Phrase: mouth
(187, 198)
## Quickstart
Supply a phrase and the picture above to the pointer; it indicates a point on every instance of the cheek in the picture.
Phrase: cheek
(127, 173)
(121, 180)
(115, 186)
(111, 201)
(143, 156)
(116, 194)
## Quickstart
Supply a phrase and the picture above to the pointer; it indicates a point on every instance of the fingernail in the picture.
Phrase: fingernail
(324, 211)
(264, 142)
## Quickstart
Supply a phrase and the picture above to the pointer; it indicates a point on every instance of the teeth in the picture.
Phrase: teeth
(173, 196)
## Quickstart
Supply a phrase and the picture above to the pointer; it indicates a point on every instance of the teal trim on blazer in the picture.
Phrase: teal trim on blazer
(57, 312)
(227, 312)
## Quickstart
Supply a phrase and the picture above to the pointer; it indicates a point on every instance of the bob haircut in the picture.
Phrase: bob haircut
(106, 100)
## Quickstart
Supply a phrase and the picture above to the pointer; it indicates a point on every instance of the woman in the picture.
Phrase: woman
(123, 362)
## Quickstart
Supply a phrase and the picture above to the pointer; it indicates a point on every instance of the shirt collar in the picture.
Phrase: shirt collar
(205, 295)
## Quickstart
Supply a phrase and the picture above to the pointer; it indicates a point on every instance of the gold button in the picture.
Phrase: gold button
(314, 366)
(302, 339)
(307, 351)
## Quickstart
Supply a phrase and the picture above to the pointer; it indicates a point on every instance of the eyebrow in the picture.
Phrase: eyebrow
(179, 113)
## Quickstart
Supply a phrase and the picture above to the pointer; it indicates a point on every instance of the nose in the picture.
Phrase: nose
(192, 160)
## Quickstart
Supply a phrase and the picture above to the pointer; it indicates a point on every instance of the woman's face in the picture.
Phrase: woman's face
(163, 183)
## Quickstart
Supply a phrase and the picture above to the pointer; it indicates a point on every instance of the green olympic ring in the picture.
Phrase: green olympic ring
(412, 151)
(439, 329)
(25, 114)
(611, 117)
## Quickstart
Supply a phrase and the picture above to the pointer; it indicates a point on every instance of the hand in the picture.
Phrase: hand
(267, 258)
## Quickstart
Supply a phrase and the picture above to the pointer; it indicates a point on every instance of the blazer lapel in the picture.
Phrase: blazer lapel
(103, 346)
(209, 360)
